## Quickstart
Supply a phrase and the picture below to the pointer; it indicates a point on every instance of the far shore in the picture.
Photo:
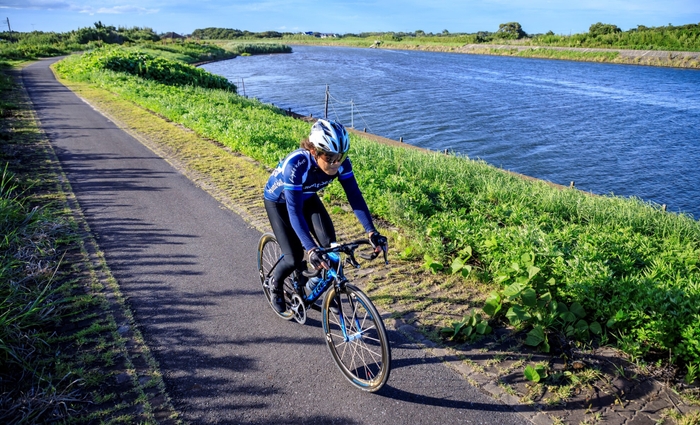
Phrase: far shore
(662, 58)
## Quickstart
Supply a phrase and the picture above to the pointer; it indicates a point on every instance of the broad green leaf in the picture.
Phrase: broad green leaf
(581, 326)
(467, 330)
(468, 252)
(517, 314)
(529, 297)
(531, 374)
(577, 310)
(492, 305)
(532, 271)
(568, 317)
(466, 270)
(596, 328)
(457, 265)
(535, 337)
(515, 266)
(513, 290)
(483, 328)
(432, 265)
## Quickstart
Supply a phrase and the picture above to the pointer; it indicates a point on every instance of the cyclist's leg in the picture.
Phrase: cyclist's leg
(287, 239)
(320, 221)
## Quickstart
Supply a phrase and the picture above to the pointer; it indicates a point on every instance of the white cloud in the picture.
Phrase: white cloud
(119, 10)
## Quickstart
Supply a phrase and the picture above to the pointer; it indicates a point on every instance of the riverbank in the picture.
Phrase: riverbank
(673, 59)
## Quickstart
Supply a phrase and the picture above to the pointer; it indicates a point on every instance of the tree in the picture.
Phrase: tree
(603, 29)
(511, 31)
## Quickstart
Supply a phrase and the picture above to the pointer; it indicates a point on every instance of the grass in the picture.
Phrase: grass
(59, 354)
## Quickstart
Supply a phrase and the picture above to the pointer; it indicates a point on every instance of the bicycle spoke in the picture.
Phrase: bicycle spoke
(358, 342)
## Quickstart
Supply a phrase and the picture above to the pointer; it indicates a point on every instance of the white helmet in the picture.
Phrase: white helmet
(329, 137)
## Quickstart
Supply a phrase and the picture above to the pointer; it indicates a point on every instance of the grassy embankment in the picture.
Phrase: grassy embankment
(69, 350)
(560, 264)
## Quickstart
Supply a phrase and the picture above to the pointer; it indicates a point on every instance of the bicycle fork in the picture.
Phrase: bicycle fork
(347, 337)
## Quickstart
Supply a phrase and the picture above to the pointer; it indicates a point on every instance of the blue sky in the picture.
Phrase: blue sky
(344, 16)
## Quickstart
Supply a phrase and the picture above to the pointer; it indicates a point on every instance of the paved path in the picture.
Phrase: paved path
(187, 267)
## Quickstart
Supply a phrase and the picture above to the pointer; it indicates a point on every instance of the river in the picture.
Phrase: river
(612, 129)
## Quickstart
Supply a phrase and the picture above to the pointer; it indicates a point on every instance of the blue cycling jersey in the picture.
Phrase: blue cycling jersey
(297, 177)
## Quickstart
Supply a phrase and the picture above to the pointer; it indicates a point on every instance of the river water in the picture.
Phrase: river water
(612, 129)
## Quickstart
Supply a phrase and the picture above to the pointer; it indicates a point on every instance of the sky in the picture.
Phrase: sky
(345, 16)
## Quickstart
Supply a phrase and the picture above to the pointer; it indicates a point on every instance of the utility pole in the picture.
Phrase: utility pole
(9, 29)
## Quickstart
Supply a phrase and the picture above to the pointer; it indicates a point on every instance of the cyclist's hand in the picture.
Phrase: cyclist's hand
(318, 260)
(379, 242)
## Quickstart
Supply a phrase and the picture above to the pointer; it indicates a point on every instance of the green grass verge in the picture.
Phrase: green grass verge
(63, 346)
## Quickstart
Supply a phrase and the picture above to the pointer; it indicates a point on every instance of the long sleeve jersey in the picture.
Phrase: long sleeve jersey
(297, 177)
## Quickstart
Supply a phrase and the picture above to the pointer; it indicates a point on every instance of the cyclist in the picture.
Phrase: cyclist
(296, 212)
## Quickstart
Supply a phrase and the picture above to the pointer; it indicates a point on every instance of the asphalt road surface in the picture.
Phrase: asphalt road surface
(187, 267)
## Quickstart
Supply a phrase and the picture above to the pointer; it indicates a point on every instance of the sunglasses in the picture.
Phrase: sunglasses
(332, 158)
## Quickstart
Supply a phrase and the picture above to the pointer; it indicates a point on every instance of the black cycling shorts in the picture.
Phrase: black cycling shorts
(319, 223)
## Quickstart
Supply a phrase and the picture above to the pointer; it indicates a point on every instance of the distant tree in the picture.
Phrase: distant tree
(482, 37)
(420, 33)
(445, 32)
(603, 29)
(511, 31)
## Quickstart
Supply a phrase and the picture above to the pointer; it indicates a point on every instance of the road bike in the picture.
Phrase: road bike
(353, 328)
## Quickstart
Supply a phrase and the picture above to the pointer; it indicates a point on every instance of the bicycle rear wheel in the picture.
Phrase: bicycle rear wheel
(269, 254)
(356, 338)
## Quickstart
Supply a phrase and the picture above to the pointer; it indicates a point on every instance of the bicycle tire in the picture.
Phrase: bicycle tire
(365, 357)
(269, 253)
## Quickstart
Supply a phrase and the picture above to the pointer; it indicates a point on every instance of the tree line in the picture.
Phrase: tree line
(670, 37)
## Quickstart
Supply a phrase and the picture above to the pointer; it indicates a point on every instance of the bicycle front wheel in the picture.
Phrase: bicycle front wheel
(269, 254)
(356, 338)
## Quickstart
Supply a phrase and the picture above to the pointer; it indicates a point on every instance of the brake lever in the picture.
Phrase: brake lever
(350, 259)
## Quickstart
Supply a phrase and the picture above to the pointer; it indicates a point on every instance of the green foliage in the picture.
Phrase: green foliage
(35, 44)
(510, 31)
(257, 48)
(153, 68)
(212, 33)
(691, 373)
(683, 38)
(603, 29)
(471, 327)
(26, 292)
(535, 373)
